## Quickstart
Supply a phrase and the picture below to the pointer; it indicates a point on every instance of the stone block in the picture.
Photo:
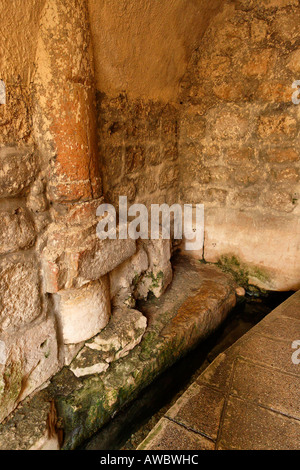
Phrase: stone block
(199, 409)
(124, 279)
(74, 256)
(124, 331)
(76, 214)
(17, 231)
(167, 435)
(259, 30)
(239, 156)
(229, 126)
(231, 90)
(286, 25)
(134, 158)
(168, 177)
(294, 61)
(104, 257)
(282, 155)
(192, 127)
(113, 162)
(18, 168)
(259, 63)
(159, 274)
(278, 200)
(154, 155)
(279, 3)
(71, 351)
(277, 126)
(29, 360)
(282, 175)
(274, 92)
(20, 301)
(83, 312)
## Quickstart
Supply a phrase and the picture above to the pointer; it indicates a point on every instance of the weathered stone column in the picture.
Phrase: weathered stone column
(65, 131)
(65, 122)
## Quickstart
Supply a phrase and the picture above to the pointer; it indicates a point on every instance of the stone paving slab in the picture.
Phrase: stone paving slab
(248, 398)
(168, 435)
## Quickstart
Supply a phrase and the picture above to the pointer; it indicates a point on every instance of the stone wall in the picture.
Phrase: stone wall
(138, 150)
(239, 140)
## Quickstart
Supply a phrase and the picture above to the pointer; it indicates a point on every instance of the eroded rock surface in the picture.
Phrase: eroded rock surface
(198, 300)
(123, 333)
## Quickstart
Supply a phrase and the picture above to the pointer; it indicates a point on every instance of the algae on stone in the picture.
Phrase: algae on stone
(241, 271)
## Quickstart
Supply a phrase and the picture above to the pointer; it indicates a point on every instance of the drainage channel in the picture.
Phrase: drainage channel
(131, 426)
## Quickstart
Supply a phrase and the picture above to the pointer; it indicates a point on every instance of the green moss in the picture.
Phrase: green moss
(259, 274)
(231, 265)
(148, 344)
(157, 281)
(136, 280)
(241, 271)
(10, 386)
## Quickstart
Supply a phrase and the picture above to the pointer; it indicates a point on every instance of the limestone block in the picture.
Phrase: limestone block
(125, 277)
(73, 257)
(19, 294)
(18, 168)
(277, 126)
(104, 257)
(124, 331)
(279, 3)
(71, 351)
(88, 362)
(16, 231)
(294, 61)
(159, 274)
(83, 312)
(28, 360)
(229, 126)
(37, 201)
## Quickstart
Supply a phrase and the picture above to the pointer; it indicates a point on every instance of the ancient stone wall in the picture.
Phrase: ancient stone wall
(138, 150)
(28, 345)
(239, 140)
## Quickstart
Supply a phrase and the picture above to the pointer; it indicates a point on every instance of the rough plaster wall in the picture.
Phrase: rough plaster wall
(142, 47)
(18, 29)
(239, 139)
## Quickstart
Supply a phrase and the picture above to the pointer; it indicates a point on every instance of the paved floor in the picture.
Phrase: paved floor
(248, 398)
